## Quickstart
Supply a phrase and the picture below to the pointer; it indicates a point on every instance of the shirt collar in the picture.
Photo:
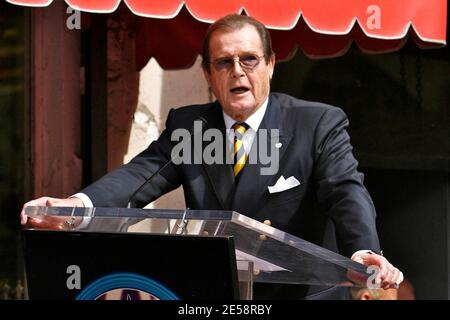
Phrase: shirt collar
(254, 121)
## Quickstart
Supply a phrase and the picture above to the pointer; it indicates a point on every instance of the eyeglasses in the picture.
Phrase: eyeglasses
(247, 62)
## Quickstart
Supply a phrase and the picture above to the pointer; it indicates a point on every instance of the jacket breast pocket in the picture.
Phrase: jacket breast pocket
(284, 197)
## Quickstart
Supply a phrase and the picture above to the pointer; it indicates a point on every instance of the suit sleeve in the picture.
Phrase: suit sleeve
(115, 188)
(339, 185)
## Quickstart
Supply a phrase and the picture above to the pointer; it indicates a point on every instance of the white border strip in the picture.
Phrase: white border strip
(169, 16)
(31, 5)
(94, 11)
(370, 35)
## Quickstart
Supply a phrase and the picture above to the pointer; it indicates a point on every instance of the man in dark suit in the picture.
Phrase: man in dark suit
(315, 190)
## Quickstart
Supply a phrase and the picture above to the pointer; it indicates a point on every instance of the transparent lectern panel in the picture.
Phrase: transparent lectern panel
(277, 257)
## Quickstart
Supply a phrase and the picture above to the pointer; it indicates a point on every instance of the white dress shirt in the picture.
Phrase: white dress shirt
(254, 121)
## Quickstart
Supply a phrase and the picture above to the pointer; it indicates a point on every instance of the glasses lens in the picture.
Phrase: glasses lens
(223, 63)
(249, 61)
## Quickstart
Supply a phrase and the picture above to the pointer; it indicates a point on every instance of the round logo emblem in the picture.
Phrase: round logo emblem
(126, 286)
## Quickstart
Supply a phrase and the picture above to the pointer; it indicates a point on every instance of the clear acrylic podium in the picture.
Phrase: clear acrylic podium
(253, 251)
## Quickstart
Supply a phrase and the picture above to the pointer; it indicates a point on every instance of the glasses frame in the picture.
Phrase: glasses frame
(235, 59)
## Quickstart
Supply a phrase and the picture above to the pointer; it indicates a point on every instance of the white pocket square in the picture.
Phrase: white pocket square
(284, 184)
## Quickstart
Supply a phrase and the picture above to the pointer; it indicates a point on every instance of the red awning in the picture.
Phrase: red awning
(321, 28)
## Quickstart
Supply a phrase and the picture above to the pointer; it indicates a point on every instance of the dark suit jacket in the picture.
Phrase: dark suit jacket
(315, 149)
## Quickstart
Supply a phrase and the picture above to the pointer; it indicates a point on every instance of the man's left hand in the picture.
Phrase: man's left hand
(388, 276)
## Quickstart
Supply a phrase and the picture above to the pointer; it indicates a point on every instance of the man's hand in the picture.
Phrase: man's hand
(49, 202)
(388, 276)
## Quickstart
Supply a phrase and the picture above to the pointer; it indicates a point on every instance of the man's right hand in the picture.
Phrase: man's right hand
(50, 202)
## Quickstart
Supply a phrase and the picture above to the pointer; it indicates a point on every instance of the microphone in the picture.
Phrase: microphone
(204, 122)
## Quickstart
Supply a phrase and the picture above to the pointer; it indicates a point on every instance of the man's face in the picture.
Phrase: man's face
(240, 91)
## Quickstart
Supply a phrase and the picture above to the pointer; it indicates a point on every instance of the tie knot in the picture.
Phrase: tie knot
(240, 128)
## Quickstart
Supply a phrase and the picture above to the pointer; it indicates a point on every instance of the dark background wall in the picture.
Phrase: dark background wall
(12, 140)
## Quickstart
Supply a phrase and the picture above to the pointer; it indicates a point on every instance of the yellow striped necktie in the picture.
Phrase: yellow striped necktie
(239, 155)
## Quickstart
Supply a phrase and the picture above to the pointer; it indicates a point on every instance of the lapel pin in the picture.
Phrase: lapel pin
(278, 145)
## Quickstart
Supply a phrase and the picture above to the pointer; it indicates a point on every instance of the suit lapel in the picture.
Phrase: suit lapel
(220, 175)
(252, 187)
